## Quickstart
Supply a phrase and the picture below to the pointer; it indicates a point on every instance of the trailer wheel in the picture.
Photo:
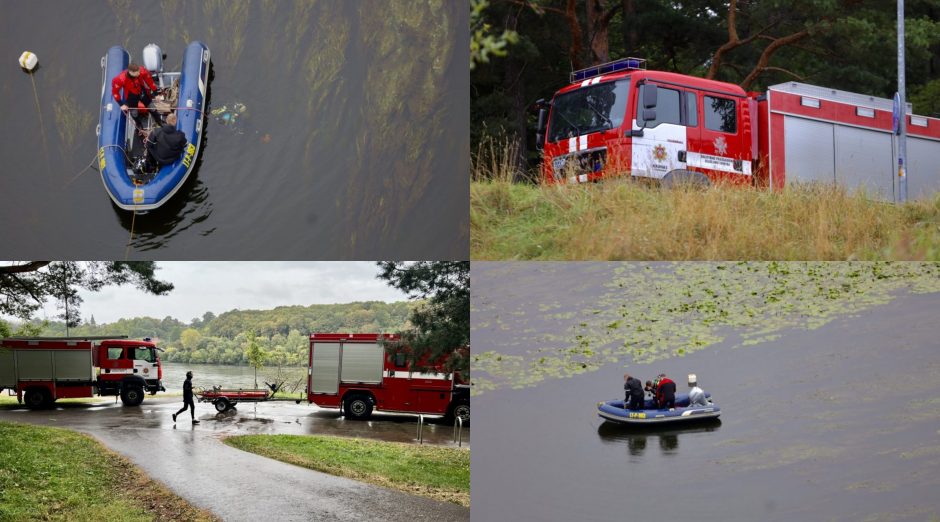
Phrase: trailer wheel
(358, 407)
(132, 396)
(221, 404)
(37, 398)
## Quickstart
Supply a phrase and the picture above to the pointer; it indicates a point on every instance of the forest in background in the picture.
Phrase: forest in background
(281, 332)
(843, 44)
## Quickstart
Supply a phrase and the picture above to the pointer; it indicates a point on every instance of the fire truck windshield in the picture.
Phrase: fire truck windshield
(589, 109)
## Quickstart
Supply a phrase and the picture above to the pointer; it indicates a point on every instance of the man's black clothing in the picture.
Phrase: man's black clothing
(187, 399)
(165, 145)
(634, 393)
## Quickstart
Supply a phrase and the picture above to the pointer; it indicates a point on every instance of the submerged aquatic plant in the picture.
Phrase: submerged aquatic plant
(648, 312)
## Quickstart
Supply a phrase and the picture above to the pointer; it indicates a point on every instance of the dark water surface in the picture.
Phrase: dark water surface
(354, 144)
(841, 422)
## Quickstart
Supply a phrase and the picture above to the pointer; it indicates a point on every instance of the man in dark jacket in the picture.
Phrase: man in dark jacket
(165, 145)
(634, 392)
(666, 392)
(188, 398)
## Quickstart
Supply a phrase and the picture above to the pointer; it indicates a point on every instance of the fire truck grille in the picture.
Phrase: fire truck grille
(579, 164)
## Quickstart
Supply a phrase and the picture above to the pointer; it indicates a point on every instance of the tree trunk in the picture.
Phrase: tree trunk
(575, 46)
(630, 36)
(598, 23)
(514, 88)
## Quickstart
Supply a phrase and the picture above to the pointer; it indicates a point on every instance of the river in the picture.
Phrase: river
(228, 376)
(821, 420)
(354, 142)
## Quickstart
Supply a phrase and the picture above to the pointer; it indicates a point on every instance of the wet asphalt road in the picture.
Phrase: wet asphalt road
(236, 485)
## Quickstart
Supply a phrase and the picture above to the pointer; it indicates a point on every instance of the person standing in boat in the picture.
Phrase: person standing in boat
(188, 398)
(666, 392)
(633, 388)
(165, 145)
(137, 85)
(696, 394)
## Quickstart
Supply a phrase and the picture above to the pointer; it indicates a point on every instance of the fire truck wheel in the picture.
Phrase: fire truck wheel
(132, 396)
(462, 410)
(685, 178)
(358, 407)
(221, 404)
(37, 398)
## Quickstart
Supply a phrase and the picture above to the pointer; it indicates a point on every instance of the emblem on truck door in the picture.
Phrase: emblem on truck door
(721, 146)
(659, 152)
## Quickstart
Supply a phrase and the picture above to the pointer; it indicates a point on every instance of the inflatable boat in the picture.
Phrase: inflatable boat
(614, 411)
(120, 145)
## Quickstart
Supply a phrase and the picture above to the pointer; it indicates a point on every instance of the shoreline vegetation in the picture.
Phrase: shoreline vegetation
(621, 219)
(428, 471)
(58, 474)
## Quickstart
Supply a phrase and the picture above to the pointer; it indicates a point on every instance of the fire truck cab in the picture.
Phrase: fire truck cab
(356, 373)
(44, 369)
(619, 118)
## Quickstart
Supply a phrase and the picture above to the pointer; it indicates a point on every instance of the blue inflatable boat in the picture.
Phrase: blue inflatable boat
(119, 143)
(614, 411)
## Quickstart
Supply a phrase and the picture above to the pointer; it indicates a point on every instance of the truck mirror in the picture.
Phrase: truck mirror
(650, 93)
(649, 115)
(540, 129)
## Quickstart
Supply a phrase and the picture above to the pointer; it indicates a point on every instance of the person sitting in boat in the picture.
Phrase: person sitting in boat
(634, 392)
(696, 394)
(165, 145)
(651, 389)
(137, 86)
(666, 392)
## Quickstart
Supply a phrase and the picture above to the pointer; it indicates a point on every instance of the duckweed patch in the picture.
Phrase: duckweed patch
(652, 311)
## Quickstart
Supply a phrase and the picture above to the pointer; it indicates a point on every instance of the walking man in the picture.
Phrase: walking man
(188, 398)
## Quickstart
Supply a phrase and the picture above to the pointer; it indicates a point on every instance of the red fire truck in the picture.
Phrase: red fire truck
(44, 369)
(618, 118)
(354, 372)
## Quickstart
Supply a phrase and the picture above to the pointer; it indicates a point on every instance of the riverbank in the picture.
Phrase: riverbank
(621, 219)
(58, 474)
(438, 473)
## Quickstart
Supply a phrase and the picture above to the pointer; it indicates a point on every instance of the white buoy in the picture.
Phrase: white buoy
(28, 60)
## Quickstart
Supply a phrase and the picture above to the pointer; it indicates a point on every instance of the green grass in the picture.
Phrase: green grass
(622, 219)
(57, 474)
(440, 473)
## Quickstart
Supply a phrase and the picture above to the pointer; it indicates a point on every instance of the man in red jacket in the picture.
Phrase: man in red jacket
(138, 86)
(666, 392)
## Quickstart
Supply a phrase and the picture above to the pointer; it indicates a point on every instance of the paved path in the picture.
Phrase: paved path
(234, 484)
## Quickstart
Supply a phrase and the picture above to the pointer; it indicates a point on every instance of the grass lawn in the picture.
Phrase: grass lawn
(439, 473)
(621, 219)
(58, 474)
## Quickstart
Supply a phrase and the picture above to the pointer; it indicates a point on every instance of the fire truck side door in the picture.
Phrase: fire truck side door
(656, 150)
(722, 150)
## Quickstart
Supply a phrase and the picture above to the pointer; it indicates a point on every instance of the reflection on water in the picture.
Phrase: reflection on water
(636, 437)
(358, 130)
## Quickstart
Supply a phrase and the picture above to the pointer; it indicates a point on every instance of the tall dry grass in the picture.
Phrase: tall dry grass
(622, 219)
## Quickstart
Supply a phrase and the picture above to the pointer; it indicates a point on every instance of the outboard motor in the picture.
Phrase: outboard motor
(153, 58)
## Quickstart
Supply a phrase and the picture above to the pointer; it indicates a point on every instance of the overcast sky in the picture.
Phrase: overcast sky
(222, 286)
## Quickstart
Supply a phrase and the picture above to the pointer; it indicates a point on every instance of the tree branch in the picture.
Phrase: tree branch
(32, 266)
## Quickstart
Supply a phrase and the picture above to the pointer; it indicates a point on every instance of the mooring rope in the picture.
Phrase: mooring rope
(131, 238)
(42, 126)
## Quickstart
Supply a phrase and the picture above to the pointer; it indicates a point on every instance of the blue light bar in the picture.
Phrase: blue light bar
(623, 64)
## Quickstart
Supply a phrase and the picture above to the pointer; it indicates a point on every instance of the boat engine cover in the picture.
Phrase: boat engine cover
(153, 58)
